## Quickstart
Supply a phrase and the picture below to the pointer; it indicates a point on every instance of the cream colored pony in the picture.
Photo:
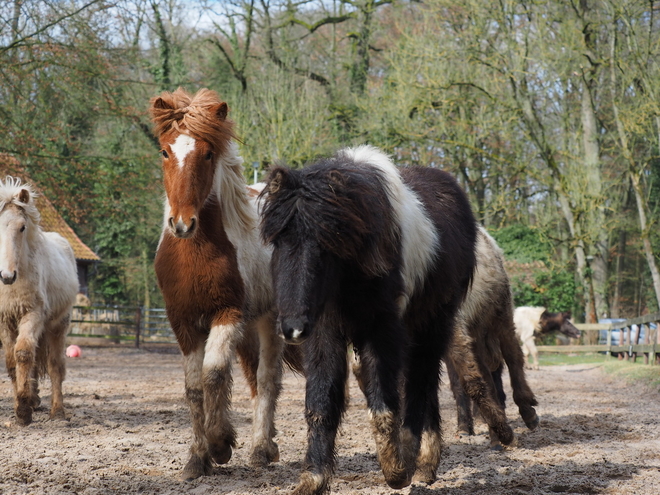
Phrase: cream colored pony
(39, 285)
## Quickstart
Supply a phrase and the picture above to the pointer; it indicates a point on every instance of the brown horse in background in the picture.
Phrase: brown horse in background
(214, 273)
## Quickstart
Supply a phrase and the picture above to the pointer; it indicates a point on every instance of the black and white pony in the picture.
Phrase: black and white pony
(379, 257)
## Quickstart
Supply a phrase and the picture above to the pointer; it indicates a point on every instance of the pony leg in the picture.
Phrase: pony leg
(421, 434)
(522, 393)
(464, 416)
(217, 383)
(269, 385)
(325, 369)
(499, 386)
(56, 367)
(10, 359)
(476, 380)
(377, 371)
(534, 352)
(29, 331)
(526, 349)
(199, 462)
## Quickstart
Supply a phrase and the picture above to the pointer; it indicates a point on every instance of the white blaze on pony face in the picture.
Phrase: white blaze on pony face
(419, 239)
(188, 171)
(181, 147)
(13, 238)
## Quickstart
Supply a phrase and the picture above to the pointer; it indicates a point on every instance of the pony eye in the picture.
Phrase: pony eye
(22, 228)
(164, 153)
(209, 155)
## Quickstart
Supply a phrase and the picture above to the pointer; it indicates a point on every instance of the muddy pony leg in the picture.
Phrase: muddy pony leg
(464, 416)
(217, 382)
(29, 330)
(522, 393)
(56, 367)
(476, 380)
(325, 369)
(269, 385)
(380, 365)
(199, 462)
(421, 433)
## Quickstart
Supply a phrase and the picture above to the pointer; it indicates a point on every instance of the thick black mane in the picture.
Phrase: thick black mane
(342, 205)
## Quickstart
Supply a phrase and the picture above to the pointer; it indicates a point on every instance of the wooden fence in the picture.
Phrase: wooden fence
(621, 339)
(627, 339)
(120, 325)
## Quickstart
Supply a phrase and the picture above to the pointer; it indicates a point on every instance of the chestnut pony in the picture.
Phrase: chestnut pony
(214, 273)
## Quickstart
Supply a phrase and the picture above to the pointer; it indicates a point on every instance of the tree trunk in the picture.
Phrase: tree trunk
(635, 176)
(591, 150)
(620, 258)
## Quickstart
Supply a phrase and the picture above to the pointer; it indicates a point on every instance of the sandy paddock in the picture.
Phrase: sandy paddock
(128, 432)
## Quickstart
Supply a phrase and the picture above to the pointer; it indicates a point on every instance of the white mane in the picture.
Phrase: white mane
(238, 214)
(9, 190)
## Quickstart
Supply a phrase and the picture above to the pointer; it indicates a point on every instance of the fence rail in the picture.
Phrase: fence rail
(626, 339)
(114, 324)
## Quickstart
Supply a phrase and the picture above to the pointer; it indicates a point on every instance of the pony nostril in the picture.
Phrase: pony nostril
(294, 330)
(193, 223)
(171, 222)
(8, 280)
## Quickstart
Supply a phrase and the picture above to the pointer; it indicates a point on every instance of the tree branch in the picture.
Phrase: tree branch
(21, 40)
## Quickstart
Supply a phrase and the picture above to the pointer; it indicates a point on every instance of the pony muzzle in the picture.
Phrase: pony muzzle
(294, 330)
(182, 229)
(8, 278)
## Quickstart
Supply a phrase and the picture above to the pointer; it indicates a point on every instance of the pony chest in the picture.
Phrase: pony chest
(198, 273)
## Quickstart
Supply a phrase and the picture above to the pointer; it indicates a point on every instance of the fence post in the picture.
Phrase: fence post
(138, 318)
(609, 341)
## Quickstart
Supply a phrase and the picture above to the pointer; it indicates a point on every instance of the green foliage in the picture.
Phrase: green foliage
(554, 290)
(472, 88)
(522, 243)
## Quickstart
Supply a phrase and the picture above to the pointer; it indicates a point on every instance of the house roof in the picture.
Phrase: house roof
(51, 221)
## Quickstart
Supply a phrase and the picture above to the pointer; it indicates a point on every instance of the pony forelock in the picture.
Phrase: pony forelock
(202, 116)
(9, 194)
(338, 205)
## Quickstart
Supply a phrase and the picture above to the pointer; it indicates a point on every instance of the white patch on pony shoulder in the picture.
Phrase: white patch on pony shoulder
(183, 145)
(419, 239)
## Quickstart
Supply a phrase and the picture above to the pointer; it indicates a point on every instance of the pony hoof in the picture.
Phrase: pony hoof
(311, 484)
(532, 423)
(424, 475)
(398, 479)
(221, 454)
(23, 415)
(58, 414)
(262, 456)
(195, 468)
(36, 402)
(505, 435)
(498, 447)
(463, 434)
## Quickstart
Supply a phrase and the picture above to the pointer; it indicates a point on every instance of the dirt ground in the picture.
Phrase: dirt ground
(128, 432)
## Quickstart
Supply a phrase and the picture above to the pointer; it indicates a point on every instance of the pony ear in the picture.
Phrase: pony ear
(567, 315)
(23, 196)
(160, 103)
(278, 177)
(221, 110)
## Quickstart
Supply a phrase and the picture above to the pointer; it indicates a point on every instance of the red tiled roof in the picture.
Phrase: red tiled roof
(51, 221)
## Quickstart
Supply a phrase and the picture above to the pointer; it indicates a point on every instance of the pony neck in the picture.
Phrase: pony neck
(229, 187)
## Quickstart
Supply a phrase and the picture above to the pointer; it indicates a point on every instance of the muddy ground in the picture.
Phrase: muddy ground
(128, 432)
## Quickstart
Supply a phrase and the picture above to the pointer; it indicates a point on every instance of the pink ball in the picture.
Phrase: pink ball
(73, 351)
